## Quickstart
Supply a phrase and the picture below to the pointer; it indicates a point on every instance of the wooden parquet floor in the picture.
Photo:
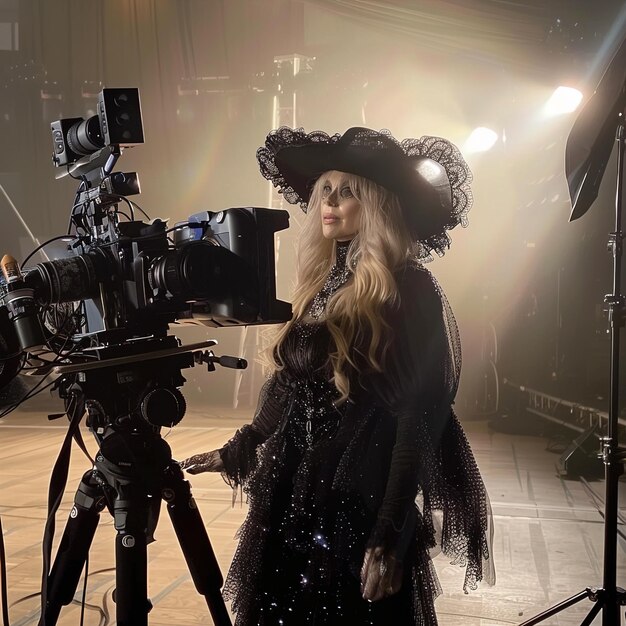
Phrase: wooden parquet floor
(548, 532)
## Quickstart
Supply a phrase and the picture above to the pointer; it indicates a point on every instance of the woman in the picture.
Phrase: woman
(356, 420)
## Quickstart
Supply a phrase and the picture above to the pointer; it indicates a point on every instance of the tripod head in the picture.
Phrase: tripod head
(139, 386)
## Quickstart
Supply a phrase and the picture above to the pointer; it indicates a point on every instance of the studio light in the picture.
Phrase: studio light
(481, 140)
(563, 100)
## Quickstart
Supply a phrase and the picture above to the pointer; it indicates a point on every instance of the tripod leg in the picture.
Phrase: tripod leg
(557, 608)
(130, 512)
(595, 609)
(74, 547)
(194, 542)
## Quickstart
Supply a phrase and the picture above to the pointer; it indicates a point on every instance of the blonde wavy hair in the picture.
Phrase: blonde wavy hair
(380, 247)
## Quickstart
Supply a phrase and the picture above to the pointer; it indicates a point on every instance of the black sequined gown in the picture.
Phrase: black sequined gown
(326, 482)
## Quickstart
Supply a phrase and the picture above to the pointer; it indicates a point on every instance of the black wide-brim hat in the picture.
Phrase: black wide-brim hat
(429, 175)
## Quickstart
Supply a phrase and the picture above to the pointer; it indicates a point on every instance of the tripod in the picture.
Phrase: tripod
(588, 151)
(128, 399)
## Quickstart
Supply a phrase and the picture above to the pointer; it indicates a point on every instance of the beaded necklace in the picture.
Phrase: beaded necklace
(339, 274)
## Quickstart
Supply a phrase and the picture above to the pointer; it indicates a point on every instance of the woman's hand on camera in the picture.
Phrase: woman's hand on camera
(381, 575)
(204, 462)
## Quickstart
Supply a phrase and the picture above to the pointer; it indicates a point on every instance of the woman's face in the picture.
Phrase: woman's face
(340, 211)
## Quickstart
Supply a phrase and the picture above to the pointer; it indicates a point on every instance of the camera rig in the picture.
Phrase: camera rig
(98, 317)
(120, 282)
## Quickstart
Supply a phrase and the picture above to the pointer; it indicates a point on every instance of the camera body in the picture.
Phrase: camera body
(217, 270)
(118, 122)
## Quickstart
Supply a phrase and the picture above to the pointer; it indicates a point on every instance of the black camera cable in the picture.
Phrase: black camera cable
(103, 611)
(58, 482)
(133, 205)
(75, 204)
(29, 394)
(43, 245)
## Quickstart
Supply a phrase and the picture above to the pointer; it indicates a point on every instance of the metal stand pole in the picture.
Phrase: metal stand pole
(609, 598)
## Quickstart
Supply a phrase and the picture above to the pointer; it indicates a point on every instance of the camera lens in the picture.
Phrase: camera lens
(202, 270)
(191, 272)
(85, 137)
(68, 280)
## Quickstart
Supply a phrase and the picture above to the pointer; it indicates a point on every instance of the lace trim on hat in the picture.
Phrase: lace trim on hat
(436, 148)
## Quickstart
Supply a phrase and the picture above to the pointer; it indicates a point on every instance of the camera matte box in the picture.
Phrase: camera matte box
(119, 111)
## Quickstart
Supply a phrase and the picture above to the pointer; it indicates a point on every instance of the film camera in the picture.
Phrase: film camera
(100, 314)
(133, 278)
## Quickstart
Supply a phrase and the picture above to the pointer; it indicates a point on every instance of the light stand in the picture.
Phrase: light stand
(588, 150)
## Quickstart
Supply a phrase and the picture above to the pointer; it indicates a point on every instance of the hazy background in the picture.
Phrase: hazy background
(210, 73)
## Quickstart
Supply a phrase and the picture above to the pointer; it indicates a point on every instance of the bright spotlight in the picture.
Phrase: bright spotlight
(481, 140)
(563, 100)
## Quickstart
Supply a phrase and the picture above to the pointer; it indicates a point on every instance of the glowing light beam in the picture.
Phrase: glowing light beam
(563, 100)
(481, 140)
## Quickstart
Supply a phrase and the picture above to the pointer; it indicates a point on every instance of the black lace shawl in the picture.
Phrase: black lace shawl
(398, 440)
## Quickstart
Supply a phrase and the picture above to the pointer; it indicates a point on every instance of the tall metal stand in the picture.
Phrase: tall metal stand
(609, 598)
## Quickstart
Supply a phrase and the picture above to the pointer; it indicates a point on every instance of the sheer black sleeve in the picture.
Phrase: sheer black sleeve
(431, 454)
(239, 455)
(413, 388)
